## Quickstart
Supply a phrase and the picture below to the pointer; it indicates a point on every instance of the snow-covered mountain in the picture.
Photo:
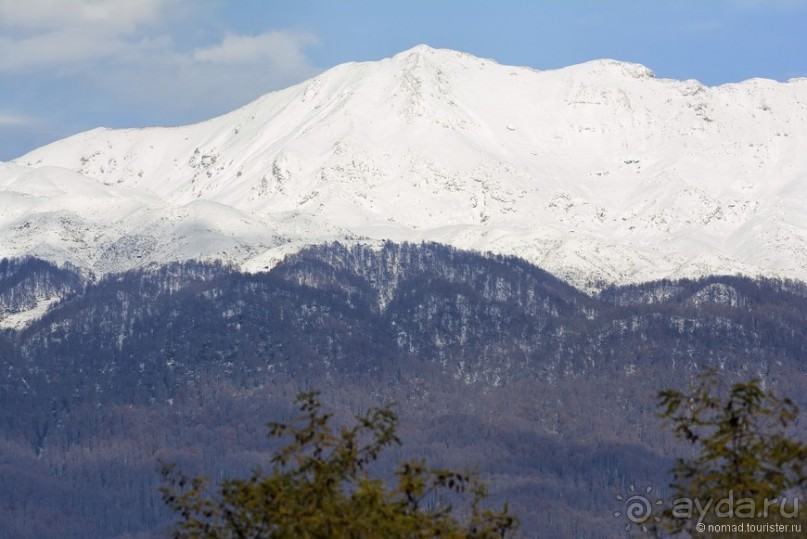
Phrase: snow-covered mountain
(598, 172)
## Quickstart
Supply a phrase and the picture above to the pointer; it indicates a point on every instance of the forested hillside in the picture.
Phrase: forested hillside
(493, 363)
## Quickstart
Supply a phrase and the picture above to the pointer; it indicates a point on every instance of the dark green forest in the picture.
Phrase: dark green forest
(490, 363)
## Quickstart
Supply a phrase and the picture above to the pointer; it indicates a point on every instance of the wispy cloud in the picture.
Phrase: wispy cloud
(63, 48)
(113, 15)
(282, 49)
(219, 76)
(70, 34)
(19, 131)
(84, 63)
(131, 48)
(11, 119)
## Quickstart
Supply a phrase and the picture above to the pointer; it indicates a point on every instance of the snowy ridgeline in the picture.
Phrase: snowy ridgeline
(599, 172)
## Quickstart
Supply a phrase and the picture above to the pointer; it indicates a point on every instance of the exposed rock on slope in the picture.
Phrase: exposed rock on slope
(598, 172)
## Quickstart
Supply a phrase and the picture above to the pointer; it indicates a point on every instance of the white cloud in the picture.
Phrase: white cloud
(147, 50)
(71, 34)
(169, 61)
(218, 77)
(282, 49)
(11, 119)
(90, 36)
(58, 48)
(222, 75)
(122, 15)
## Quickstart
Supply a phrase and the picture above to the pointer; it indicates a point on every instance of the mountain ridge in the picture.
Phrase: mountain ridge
(600, 172)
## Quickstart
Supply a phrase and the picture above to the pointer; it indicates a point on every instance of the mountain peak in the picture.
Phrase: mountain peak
(427, 50)
(597, 172)
(421, 48)
(441, 57)
(608, 66)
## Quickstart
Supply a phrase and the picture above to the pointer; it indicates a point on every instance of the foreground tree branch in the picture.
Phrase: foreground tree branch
(318, 487)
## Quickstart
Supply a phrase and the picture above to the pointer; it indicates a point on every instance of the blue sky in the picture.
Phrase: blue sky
(71, 65)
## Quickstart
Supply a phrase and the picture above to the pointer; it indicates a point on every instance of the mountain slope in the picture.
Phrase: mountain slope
(598, 172)
(493, 363)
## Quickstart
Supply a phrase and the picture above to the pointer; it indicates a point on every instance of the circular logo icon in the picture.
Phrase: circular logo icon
(638, 508)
